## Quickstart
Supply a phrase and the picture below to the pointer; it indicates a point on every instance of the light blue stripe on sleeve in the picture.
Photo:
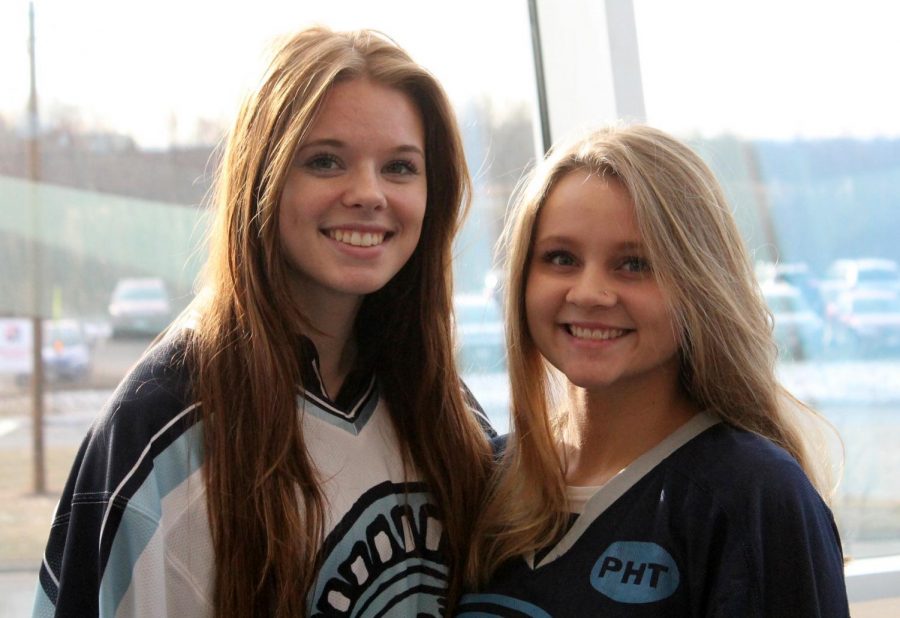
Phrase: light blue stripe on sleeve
(43, 607)
(140, 520)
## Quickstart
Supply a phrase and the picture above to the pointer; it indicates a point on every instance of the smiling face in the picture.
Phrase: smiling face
(593, 306)
(352, 207)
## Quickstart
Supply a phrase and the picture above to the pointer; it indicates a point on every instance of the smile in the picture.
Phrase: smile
(595, 334)
(357, 239)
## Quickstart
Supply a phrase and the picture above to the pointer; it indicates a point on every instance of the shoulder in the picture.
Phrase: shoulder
(157, 389)
(498, 445)
(755, 485)
(729, 457)
(753, 489)
(478, 411)
(764, 520)
(151, 408)
(140, 447)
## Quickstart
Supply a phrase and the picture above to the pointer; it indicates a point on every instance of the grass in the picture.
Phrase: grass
(25, 517)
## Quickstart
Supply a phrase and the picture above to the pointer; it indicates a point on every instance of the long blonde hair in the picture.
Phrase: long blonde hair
(244, 350)
(727, 356)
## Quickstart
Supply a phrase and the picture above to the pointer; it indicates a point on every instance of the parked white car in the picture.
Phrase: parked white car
(139, 307)
(847, 275)
(865, 322)
(799, 331)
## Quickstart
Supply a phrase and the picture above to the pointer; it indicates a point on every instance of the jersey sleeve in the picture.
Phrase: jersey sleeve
(782, 555)
(72, 548)
(106, 511)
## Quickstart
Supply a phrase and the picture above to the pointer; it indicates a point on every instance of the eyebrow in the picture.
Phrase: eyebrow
(336, 143)
(628, 245)
(631, 245)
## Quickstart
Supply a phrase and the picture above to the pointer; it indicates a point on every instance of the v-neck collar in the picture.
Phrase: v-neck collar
(354, 402)
(622, 482)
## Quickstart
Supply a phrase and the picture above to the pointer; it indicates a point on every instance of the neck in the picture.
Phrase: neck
(612, 428)
(337, 354)
(330, 327)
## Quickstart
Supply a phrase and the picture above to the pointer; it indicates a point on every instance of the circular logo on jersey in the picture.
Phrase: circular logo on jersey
(635, 572)
(384, 558)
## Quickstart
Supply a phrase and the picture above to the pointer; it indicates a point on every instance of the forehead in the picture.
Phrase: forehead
(585, 205)
(362, 107)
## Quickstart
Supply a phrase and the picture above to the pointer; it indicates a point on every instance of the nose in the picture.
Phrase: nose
(364, 190)
(591, 290)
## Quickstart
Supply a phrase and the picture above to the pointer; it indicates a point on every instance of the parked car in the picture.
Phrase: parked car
(846, 275)
(479, 328)
(798, 330)
(65, 351)
(863, 322)
(139, 307)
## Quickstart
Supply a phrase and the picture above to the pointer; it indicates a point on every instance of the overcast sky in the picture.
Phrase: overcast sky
(761, 68)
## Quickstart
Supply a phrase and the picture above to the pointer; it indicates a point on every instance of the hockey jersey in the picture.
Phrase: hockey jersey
(713, 521)
(130, 536)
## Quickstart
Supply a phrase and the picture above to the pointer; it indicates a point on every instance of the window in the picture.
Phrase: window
(792, 106)
(103, 228)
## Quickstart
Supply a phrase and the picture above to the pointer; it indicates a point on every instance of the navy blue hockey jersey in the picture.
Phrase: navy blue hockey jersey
(713, 521)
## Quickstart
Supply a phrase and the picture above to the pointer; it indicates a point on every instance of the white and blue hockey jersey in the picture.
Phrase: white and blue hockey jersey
(130, 536)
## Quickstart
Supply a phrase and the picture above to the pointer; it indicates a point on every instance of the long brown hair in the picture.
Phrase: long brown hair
(245, 345)
(728, 354)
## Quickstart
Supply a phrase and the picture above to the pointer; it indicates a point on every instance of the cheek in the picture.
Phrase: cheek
(535, 305)
(416, 210)
(287, 224)
(669, 326)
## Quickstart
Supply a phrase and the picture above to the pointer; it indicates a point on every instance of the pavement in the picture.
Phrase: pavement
(17, 593)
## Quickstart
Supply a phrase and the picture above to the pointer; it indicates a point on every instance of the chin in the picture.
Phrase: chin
(589, 380)
(363, 288)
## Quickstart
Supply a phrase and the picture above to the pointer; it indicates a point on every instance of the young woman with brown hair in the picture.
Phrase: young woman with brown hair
(670, 474)
(304, 445)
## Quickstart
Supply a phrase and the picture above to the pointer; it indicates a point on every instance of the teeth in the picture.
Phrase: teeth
(357, 239)
(601, 334)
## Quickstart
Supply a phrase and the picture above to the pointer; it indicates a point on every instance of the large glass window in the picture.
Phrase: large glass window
(793, 106)
(104, 181)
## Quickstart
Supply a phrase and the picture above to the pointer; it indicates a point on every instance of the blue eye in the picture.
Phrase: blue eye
(636, 264)
(559, 258)
(401, 167)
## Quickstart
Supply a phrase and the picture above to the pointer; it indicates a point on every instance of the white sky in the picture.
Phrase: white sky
(130, 65)
(760, 68)
(777, 68)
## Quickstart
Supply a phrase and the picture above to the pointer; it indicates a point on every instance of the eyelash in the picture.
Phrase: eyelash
(631, 263)
(315, 161)
(553, 257)
(642, 265)
(408, 167)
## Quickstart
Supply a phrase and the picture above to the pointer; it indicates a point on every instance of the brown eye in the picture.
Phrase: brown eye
(401, 167)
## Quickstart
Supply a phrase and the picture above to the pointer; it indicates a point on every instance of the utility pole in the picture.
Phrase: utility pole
(771, 245)
(37, 343)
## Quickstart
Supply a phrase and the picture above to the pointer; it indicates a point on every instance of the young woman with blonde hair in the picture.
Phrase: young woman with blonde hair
(305, 447)
(670, 475)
